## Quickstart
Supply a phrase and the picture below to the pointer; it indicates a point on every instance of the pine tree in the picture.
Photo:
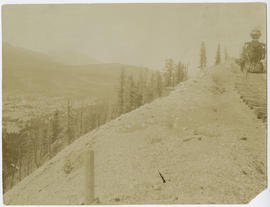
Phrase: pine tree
(55, 126)
(35, 136)
(135, 92)
(218, 58)
(152, 87)
(70, 133)
(81, 121)
(121, 94)
(127, 96)
(225, 54)
(203, 58)
(180, 72)
(139, 98)
(141, 89)
(159, 84)
(174, 77)
(185, 74)
(169, 72)
(132, 94)
(144, 86)
(93, 118)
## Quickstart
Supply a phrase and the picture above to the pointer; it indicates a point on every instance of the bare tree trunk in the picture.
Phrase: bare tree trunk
(81, 122)
(31, 164)
(28, 167)
(35, 152)
(50, 148)
(12, 178)
(20, 167)
(36, 158)
(4, 182)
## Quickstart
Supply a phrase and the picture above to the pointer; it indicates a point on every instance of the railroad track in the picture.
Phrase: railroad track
(253, 91)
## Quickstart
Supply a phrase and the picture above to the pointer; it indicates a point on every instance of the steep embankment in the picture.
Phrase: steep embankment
(209, 146)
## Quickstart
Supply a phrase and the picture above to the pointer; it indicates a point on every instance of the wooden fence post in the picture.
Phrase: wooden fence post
(89, 177)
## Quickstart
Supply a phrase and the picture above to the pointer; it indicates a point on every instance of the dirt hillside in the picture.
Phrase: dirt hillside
(204, 140)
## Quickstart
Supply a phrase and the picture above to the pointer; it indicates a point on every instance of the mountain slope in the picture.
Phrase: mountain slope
(72, 58)
(208, 145)
(26, 72)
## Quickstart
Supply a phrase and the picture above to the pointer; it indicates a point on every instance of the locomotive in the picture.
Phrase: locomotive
(252, 55)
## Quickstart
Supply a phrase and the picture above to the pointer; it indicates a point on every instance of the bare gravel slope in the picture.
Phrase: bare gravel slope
(209, 146)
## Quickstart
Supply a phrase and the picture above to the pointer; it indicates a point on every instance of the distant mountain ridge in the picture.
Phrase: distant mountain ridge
(31, 73)
(72, 58)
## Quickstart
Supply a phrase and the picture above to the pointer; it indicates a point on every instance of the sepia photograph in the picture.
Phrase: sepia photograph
(134, 103)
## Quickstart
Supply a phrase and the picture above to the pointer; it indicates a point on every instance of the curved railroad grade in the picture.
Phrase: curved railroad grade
(253, 91)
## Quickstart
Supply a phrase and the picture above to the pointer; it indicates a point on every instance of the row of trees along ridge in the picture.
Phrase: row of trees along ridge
(203, 58)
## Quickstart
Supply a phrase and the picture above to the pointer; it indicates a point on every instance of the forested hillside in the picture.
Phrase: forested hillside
(29, 73)
(47, 104)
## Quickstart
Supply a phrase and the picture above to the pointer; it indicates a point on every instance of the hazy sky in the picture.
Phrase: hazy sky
(138, 34)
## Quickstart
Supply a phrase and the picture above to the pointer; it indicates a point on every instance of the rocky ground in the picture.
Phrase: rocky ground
(209, 146)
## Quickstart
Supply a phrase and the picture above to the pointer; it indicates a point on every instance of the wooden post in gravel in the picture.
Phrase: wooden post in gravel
(89, 177)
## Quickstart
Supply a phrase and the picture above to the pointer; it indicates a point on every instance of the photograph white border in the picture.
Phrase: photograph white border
(261, 200)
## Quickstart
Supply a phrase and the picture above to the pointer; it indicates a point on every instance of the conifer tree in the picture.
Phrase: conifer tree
(152, 87)
(203, 58)
(169, 72)
(225, 54)
(141, 89)
(180, 72)
(218, 58)
(139, 97)
(174, 77)
(121, 94)
(185, 72)
(70, 133)
(55, 126)
(132, 94)
(159, 84)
